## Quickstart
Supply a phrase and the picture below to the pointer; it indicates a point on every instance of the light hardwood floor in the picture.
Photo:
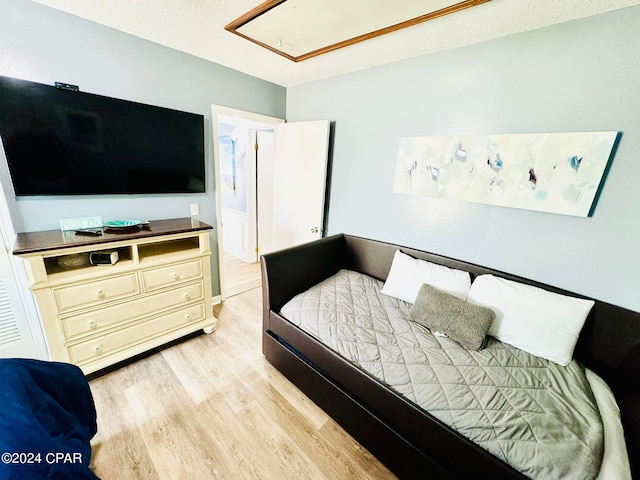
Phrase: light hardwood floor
(240, 276)
(212, 407)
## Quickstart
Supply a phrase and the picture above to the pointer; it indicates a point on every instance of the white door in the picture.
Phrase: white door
(299, 181)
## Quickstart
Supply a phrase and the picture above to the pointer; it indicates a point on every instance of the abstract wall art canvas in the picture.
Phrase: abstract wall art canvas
(548, 172)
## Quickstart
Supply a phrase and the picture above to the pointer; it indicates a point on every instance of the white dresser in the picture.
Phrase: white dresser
(96, 315)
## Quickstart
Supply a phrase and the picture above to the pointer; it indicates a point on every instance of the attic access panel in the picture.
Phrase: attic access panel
(302, 29)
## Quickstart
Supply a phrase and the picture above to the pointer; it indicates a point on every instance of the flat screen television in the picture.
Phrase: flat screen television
(64, 142)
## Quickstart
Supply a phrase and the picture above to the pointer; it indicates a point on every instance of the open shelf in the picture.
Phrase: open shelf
(170, 248)
(73, 263)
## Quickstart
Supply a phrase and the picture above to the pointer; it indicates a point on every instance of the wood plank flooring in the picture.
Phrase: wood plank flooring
(212, 407)
(240, 276)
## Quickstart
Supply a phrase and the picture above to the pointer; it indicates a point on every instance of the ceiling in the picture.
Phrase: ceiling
(317, 27)
(197, 27)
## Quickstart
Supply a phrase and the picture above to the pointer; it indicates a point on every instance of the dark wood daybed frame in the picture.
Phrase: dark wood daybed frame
(408, 440)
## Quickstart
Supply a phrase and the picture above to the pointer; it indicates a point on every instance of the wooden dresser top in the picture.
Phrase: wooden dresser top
(33, 242)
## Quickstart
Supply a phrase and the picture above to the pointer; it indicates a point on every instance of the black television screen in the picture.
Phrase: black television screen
(63, 142)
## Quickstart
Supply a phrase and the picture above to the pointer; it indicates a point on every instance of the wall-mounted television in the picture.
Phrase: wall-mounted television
(63, 142)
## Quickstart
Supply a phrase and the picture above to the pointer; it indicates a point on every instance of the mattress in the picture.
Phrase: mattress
(537, 416)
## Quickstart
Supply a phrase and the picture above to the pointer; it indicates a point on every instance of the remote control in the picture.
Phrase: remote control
(89, 233)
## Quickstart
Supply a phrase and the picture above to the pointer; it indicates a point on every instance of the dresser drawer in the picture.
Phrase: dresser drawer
(79, 326)
(165, 276)
(95, 293)
(111, 343)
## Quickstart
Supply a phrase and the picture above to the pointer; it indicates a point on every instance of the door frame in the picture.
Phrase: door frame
(216, 111)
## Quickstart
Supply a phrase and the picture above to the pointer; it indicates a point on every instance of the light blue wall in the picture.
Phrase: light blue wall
(44, 45)
(578, 76)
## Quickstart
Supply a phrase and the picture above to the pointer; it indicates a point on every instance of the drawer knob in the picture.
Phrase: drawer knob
(100, 293)
(186, 296)
(97, 349)
(175, 275)
(93, 324)
(188, 317)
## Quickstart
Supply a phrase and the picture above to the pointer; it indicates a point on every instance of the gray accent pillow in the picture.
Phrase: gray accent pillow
(441, 312)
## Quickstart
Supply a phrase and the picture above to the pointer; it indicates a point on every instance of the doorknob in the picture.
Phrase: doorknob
(315, 230)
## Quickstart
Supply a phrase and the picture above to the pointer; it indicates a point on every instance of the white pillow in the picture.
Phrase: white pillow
(407, 275)
(540, 322)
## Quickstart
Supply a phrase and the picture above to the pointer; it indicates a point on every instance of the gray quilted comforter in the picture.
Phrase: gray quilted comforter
(539, 417)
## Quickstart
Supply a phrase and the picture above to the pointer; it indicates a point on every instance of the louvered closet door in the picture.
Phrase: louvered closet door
(15, 336)
(9, 331)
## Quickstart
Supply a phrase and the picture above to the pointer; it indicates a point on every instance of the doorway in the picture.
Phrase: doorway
(236, 134)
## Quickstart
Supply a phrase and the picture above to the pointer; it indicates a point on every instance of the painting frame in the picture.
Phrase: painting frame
(559, 173)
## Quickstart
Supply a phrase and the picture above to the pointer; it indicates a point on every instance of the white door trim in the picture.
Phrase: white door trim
(217, 110)
(265, 165)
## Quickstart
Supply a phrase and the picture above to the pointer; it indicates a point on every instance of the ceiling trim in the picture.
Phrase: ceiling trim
(262, 10)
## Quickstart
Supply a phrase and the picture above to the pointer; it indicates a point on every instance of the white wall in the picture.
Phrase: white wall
(577, 76)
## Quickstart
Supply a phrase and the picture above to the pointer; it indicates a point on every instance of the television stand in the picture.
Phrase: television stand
(97, 315)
